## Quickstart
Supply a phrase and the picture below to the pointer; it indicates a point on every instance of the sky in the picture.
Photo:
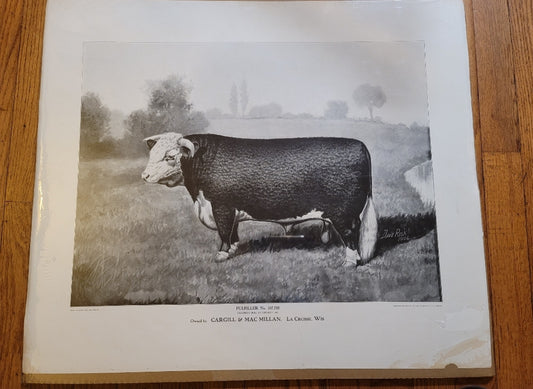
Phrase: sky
(301, 77)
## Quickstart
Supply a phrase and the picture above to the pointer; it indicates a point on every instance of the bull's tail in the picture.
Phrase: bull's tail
(368, 232)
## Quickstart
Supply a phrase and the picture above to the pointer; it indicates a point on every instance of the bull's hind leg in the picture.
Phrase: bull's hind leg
(349, 232)
(360, 234)
(227, 227)
(368, 235)
(352, 257)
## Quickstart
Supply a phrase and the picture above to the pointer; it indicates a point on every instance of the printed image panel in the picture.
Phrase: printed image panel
(214, 173)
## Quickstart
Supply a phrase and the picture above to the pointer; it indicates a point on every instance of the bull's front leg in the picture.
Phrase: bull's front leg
(227, 225)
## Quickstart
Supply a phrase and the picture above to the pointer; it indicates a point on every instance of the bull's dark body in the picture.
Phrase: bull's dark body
(279, 179)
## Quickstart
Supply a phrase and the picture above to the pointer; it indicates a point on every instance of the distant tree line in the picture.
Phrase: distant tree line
(236, 97)
(169, 110)
(336, 110)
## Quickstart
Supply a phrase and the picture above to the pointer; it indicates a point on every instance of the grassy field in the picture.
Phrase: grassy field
(141, 244)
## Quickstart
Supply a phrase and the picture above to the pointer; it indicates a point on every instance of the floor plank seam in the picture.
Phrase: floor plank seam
(17, 202)
(527, 212)
(524, 172)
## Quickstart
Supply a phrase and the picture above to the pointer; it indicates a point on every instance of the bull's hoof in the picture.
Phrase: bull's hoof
(222, 256)
(233, 249)
(352, 258)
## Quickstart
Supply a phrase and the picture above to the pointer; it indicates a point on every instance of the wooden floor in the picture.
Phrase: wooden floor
(501, 57)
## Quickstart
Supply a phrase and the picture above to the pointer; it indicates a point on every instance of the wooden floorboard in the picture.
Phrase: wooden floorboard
(10, 32)
(495, 75)
(500, 42)
(521, 15)
(509, 269)
(13, 278)
(21, 173)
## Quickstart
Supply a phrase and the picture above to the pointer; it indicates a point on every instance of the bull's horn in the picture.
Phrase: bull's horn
(188, 146)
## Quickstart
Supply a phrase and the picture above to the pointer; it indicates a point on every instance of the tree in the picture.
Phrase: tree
(271, 110)
(305, 115)
(336, 110)
(369, 96)
(244, 97)
(169, 110)
(214, 113)
(94, 124)
(139, 124)
(233, 102)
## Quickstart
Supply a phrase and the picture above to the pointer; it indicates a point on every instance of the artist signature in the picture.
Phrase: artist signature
(398, 233)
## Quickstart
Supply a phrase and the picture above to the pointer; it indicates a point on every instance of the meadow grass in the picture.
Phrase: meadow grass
(137, 243)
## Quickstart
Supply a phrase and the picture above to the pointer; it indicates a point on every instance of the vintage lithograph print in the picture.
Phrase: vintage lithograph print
(298, 176)
(287, 172)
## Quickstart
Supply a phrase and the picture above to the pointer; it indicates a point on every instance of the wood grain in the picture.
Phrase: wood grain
(10, 31)
(21, 173)
(509, 268)
(474, 90)
(522, 37)
(496, 83)
(500, 41)
(434, 384)
(14, 253)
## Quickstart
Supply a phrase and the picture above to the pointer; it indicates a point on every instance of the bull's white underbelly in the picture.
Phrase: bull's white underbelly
(313, 214)
(204, 211)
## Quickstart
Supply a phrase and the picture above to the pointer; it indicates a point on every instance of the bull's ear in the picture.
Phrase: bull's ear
(151, 141)
(187, 148)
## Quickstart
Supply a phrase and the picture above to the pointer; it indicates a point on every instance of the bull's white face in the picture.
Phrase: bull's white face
(164, 163)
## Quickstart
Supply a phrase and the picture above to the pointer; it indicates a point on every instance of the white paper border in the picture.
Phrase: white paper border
(59, 339)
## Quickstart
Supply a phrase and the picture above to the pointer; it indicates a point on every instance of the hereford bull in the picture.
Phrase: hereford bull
(234, 179)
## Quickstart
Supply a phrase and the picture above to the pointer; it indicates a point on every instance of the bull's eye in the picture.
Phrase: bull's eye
(170, 160)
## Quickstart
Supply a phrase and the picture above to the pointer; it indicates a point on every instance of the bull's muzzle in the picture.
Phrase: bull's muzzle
(145, 176)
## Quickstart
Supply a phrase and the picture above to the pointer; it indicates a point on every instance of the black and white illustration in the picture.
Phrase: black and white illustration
(213, 173)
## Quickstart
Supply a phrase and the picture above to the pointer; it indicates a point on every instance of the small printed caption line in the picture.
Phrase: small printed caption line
(255, 319)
